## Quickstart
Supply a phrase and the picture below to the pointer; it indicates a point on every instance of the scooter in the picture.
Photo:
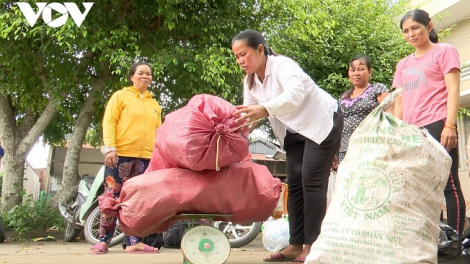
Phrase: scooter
(84, 213)
(238, 235)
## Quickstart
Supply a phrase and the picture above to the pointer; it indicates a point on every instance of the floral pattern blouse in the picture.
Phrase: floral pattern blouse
(355, 110)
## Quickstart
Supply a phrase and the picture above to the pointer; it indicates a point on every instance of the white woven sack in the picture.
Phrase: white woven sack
(388, 196)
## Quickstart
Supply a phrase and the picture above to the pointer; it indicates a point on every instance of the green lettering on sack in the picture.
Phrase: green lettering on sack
(377, 214)
(348, 210)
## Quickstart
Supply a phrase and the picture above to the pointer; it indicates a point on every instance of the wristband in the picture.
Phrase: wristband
(105, 149)
(450, 126)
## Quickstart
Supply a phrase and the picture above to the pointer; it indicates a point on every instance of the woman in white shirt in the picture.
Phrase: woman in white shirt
(308, 124)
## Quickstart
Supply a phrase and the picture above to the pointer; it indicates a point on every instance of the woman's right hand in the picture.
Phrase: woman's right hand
(111, 159)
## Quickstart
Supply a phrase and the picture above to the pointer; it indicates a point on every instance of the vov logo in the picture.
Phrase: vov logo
(46, 10)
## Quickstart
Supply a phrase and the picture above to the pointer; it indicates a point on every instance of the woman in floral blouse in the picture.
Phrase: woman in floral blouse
(360, 100)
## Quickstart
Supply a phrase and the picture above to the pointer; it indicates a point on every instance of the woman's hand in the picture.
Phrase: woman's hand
(334, 164)
(449, 132)
(250, 112)
(449, 138)
(111, 159)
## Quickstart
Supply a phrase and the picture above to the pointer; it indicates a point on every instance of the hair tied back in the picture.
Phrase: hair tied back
(268, 50)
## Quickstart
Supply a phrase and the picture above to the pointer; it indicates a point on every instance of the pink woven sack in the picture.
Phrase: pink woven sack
(202, 135)
(149, 202)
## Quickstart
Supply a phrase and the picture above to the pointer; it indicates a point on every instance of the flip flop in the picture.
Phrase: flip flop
(99, 248)
(278, 257)
(147, 250)
(299, 260)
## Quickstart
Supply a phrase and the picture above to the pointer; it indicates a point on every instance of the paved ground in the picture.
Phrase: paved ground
(54, 252)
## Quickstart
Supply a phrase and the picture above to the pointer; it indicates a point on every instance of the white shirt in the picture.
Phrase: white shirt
(292, 100)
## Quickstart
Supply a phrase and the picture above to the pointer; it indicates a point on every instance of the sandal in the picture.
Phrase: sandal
(299, 260)
(99, 248)
(278, 257)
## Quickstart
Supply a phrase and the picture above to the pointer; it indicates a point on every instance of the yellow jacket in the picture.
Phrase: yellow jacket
(130, 123)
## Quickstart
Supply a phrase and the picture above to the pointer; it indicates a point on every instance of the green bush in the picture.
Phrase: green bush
(32, 215)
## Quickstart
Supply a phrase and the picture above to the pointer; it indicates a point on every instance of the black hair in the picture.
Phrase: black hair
(137, 64)
(366, 61)
(253, 39)
(423, 18)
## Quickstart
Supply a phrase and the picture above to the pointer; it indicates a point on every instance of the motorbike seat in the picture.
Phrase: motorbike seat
(89, 179)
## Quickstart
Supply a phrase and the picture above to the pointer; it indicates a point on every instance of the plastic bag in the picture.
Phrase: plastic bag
(449, 245)
(276, 234)
(331, 187)
(174, 234)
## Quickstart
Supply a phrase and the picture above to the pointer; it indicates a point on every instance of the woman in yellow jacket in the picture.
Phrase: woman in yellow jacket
(130, 122)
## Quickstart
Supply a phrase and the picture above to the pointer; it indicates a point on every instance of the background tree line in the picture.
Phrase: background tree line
(55, 81)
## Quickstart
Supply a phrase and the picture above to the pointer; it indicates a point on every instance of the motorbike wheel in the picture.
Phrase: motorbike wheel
(2, 232)
(92, 229)
(70, 233)
(239, 235)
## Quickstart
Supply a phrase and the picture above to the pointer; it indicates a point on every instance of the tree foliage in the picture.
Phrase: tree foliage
(73, 70)
(323, 35)
(56, 81)
(187, 43)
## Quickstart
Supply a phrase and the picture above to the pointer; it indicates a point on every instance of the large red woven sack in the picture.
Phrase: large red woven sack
(149, 202)
(192, 136)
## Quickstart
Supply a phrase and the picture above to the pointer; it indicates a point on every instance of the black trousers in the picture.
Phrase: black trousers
(308, 170)
(455, 201)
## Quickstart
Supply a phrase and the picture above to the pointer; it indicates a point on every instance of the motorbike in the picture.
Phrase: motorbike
(84, 214)
(238, 235)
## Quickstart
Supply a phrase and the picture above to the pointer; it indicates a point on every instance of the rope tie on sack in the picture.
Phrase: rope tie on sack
(222, 130)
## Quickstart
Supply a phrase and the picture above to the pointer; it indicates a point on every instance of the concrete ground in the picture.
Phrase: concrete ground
(55, 252)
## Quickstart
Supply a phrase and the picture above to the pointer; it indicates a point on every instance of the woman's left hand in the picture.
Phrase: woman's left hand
(449, 138)
(250, 112)
(334, 165)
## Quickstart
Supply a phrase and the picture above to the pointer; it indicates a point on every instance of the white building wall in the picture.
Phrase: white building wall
(91, 160)
(434, 7)
(31, 182)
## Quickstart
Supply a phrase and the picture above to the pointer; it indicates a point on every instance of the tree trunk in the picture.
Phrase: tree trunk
(70, 179)
(17, 141)
(13, 175)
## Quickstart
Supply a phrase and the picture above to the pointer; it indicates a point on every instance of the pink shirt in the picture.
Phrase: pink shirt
(424, 88)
